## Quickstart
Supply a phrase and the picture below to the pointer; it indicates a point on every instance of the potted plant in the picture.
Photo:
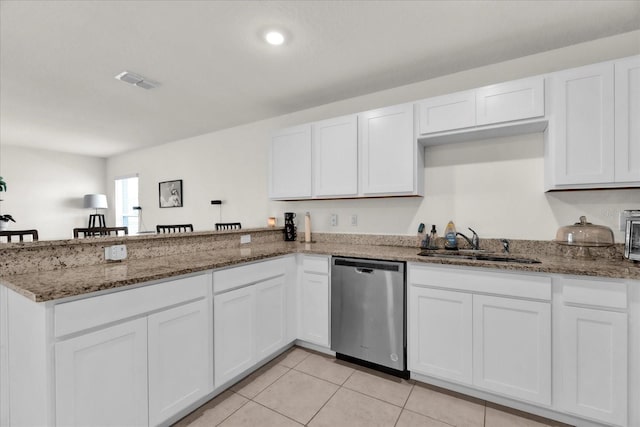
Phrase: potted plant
(4, 219)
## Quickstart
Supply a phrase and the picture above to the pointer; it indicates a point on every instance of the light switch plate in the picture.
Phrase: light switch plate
(246, 238)
(354, 220)
(333, 220)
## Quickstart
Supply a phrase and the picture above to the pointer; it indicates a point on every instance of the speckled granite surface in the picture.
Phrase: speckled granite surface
(51, 285)
(21, 258)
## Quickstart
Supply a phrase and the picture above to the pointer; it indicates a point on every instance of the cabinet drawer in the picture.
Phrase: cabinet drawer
(87, 313)
(481, 281)
(231, 278)
(315, 264)
(594, 292)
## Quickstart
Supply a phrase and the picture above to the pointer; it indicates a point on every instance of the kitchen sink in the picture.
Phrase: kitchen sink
(479, 257)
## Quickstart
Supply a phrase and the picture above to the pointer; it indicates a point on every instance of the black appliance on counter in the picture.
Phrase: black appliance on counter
(289, 227)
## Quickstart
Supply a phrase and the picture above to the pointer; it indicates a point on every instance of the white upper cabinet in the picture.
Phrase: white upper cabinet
(593, 139)
(515, 100)
(446, 112)
(335, 157)
(390, 157)
(581, 134)
(371, 154)
(627, 120)
(467, 115)
(290, 163)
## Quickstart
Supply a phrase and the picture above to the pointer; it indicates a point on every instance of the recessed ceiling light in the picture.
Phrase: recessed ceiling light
(274, 37)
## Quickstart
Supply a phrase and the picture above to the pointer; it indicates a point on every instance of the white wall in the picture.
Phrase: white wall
(45, 189)
(494, 186)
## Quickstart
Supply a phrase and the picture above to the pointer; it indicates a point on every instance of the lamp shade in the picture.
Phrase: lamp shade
(95, 201)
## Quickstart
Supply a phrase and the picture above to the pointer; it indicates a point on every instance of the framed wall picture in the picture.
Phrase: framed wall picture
(170, 194)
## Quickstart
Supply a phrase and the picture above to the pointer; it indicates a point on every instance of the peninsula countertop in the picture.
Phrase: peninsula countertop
(62, 283)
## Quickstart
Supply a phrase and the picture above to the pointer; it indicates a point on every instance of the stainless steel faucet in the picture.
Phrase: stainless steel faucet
(474, 241)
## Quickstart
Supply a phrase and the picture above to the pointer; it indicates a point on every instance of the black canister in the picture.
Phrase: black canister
(289, 227)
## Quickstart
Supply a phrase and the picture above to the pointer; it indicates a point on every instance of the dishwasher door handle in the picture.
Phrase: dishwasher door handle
(364, 270)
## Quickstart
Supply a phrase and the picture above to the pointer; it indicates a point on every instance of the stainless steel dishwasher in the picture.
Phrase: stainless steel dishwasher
(368, 313)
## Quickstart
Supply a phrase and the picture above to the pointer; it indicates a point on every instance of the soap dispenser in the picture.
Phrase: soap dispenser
(433, 237)
(450, 241)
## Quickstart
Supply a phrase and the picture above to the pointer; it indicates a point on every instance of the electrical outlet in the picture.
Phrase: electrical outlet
(333, 220)
(246, 238)
(354, 220)
(115, 252)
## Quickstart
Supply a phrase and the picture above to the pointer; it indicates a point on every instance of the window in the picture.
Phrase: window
(126, 199)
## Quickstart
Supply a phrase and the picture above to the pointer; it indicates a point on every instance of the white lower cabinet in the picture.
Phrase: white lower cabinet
(234, 332)
(512, 347)
(180, 359)
(250, 321)
(101, 377)
(314, 309)
(138, 372)
(594, 364)
(460, 333)
(445, 318)
(271, 316)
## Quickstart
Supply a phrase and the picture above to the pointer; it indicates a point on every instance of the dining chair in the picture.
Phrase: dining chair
(175, 228)
(99, 232)
(21, 234)
(228, 226)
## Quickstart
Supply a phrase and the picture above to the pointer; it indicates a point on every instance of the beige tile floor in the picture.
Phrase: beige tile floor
(305, 388)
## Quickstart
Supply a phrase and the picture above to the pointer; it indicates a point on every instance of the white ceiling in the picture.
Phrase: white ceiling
(58, 59)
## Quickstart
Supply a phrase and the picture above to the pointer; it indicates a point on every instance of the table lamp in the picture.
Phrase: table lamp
(96, 201)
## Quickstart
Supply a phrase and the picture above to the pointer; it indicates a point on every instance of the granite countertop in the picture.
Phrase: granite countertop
(68, 282)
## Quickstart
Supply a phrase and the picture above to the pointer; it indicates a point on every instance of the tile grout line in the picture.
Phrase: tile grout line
(233, 412)
(484, 419)
(404, 408)
(323, 405)
(277, 412)
(404, 404)
(340, 386)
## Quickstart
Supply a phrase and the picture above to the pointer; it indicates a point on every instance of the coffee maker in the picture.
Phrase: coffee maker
(289, 227)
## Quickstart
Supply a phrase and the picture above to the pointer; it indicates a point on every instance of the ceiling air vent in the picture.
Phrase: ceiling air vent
(137, 80)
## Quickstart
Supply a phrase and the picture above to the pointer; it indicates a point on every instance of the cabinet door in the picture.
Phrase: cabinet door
(627, 111)
(314, 309)
(440, 333)
(594, 364)
(582, 130)
(448, 112)
(101, 377)
(234, 333)
(180, 358)
(516, 100)
(271, 316)
(512, 347)
(335, 157)
(290, 164)
(389, 150)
